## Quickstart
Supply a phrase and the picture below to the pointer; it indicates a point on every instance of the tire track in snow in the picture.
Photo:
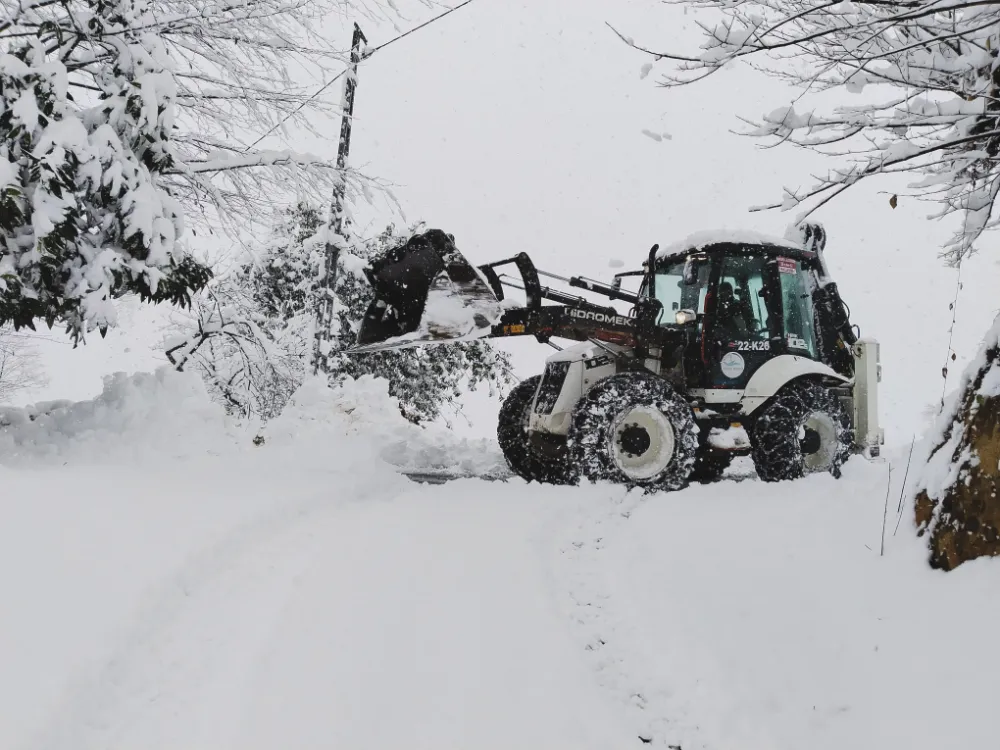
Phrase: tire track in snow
(214, 610)
(611, 636)
(446, 637)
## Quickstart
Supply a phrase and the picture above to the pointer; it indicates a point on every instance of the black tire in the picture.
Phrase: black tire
(784, 441)
(512, 434)
(601, 422)
(709, 467)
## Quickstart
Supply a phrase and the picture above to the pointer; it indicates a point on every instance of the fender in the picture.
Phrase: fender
(775, 373)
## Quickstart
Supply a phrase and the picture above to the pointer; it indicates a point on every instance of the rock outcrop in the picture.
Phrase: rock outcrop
(958, 500)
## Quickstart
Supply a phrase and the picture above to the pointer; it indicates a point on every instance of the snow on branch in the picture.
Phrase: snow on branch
(125, 123)
(929, 72)
(230, 67)
(242, 366)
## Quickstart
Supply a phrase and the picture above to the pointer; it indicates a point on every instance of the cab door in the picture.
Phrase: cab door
(743, 320)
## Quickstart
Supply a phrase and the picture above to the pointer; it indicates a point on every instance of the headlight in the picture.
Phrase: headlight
(685, 316)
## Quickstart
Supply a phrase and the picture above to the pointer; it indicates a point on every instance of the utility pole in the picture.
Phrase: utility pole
(335, 226)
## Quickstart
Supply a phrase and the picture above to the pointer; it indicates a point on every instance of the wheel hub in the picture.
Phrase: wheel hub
(811, 442)
(634, 440)
(819, 440)
(642, 443)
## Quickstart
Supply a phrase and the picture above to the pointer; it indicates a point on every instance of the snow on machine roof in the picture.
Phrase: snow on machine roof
(723, 239)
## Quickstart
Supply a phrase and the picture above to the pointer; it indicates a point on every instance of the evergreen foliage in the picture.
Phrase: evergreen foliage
(117, 123)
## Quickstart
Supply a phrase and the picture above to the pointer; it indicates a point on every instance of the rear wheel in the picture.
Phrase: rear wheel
(634, 429)
(803, 430)
(512, 433)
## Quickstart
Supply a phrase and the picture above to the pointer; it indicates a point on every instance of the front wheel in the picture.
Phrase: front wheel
(803, 430)
(634, 429)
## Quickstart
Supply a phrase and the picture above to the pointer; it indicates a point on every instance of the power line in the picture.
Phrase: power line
(341, 74)
(298, 109)
(417, 28)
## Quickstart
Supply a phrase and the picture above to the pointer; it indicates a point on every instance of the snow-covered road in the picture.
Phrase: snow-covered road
(373, 612)
(304, 594)
(340, 617)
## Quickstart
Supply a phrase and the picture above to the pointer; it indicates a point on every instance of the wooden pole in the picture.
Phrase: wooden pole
(335, 226)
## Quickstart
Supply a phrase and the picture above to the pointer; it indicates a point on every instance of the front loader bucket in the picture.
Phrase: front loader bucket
(426, 292)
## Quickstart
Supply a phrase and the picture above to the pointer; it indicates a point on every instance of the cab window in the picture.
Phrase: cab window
(741, 308)
(798, 309)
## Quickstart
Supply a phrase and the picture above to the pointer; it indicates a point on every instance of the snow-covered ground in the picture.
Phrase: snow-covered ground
(167, 583)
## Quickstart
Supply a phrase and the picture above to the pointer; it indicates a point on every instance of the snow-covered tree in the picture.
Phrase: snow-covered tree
(125, 122)
(252, 340)
(226, 339)
(927, 74)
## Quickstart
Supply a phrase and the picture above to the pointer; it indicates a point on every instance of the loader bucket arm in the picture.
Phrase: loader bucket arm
(571, 322)
(426, 292)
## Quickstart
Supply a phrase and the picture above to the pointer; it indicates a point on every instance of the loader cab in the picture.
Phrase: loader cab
(741, 304)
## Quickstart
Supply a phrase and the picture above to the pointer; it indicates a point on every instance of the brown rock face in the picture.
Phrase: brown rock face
(964, 521)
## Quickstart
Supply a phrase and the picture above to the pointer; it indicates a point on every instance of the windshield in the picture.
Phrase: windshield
(675, 295)
(741, 310)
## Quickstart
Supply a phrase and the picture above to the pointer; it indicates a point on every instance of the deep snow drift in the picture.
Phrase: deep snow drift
(197, 590)
(148, 417)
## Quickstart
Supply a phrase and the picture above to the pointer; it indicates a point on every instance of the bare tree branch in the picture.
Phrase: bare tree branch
(20, 365)
(937, 60)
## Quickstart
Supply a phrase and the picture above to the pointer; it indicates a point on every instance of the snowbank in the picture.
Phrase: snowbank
(363, 411)
(360, 407)
(141, 417)
(150, 417)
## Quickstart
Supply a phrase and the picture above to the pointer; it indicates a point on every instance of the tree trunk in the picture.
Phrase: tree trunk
(958, 504)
